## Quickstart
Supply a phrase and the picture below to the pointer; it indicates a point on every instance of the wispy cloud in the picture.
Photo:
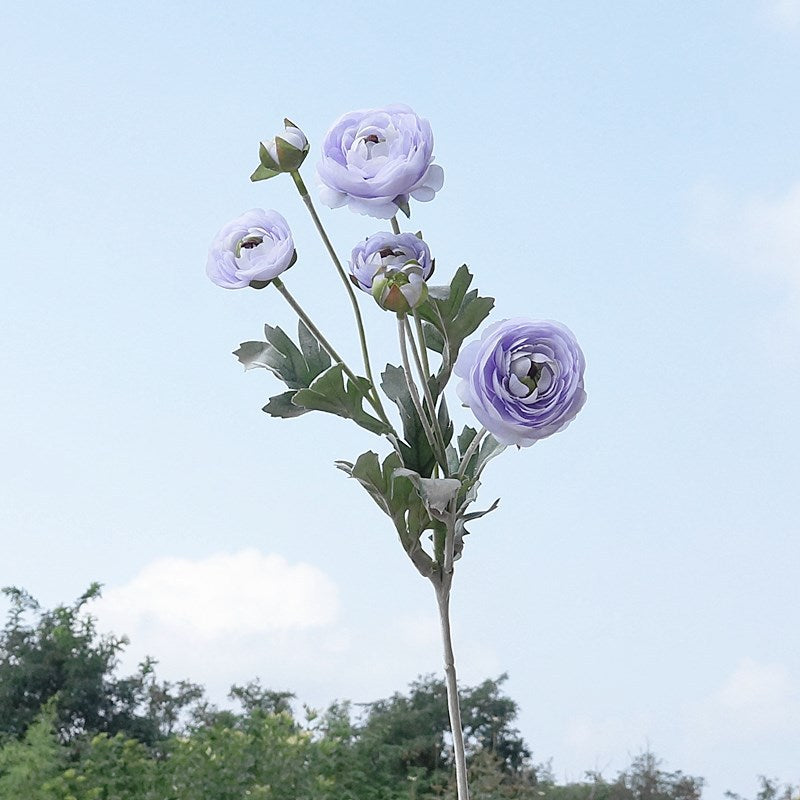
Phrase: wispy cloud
(757, 235)
(754, 700)
(783, 13)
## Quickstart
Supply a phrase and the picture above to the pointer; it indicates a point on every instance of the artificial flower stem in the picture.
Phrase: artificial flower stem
(473, 446)
(412, 390)
(424, 377)
(298, 309)
(453, 707)
(301, 188)
(422, 343)
(395, 225)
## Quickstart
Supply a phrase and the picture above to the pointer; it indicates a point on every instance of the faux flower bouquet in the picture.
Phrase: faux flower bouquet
(523, 379)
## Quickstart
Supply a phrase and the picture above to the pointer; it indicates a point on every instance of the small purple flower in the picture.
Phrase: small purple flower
(390, 252)
(372, 161)
(523, 379)
(251, 250)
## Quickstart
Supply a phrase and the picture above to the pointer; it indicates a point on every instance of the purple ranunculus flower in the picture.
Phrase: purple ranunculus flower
(251, 250)
(390, 252)
(523, 379)
(374, 160)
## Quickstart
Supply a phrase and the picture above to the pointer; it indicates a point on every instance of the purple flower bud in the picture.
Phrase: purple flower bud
(523, 380)
(373, 161)
(251, 250)
(390, 252)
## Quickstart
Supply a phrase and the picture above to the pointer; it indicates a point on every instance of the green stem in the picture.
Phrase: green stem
(422, 343)
(426, 390)
(301, 188)
(395, 225)
(412, 390)
(453, 706)
(298, 309)
(470, 451)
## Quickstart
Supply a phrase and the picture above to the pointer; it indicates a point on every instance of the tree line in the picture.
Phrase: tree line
(72, 728)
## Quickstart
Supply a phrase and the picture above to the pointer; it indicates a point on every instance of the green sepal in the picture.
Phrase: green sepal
(263, 174)
(332, 394)
(266, 159)
(403, 205)
(289, 156)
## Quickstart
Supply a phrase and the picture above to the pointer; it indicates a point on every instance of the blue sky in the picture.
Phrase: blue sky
(630, 169)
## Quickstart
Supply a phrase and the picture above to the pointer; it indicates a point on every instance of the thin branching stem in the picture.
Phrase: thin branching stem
(473, 446)
(424, 378)
(301, 188)
(413, 391)
(298, 309)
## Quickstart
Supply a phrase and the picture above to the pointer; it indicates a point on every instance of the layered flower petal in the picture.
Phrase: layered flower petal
(523, 380)
(377, 159)
(252, 249)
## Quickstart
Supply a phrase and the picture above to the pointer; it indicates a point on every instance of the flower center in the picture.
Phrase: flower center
(249, 242)
(531, 374)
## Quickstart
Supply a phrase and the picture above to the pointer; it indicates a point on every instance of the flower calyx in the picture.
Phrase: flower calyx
(283, 153)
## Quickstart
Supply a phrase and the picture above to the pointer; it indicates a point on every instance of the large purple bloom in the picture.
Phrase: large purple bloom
(372, 161)
(523, 379)
(251, 250)
(390, 252)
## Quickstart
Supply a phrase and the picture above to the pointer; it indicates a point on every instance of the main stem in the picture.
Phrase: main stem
(301, 188)
(453, 707)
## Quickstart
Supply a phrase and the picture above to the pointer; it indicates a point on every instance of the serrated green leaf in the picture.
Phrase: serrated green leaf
(454, 313)
(416, 449)
(465, 439)
(282, 406)
(294, 372)
(397, 497)
(443, 418)
(316, 358)
(259, 354)
(329, 393)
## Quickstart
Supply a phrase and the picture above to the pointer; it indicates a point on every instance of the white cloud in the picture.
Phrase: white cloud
(760, 233)
(229, 618)
(247, 592)
(783, 13)
(757, 699)
(758, 236)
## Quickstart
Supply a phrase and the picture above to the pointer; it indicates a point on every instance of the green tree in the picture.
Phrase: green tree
(58, 655)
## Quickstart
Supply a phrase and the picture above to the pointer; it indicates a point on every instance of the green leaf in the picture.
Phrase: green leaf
(416, 450)
(436, 493)
(317, 359)
(282, 406)
(454, 313)
(261, 173)
(397, 497)
(330, 394)
(445, 423)
(296, 367)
